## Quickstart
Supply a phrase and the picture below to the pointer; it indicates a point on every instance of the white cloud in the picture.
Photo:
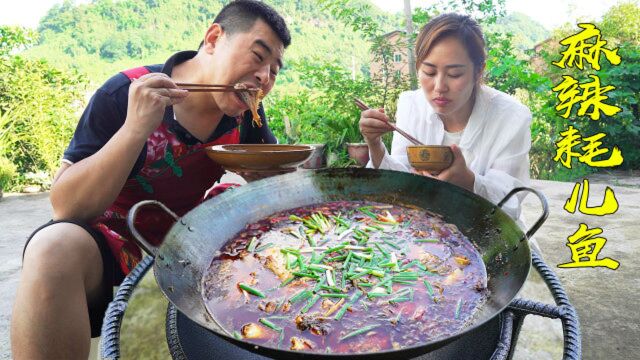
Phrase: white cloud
(27, 12)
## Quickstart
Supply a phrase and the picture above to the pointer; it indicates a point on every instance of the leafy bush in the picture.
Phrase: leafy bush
(39, 107)
(7, 172)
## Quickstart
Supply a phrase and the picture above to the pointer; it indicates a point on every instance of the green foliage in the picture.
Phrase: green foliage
(622, 22)
(7, 172)
(525, 31)
(483, 11)
(505, 71)
(622, 129)
(106, 36)
(39, 107)
(328, 114)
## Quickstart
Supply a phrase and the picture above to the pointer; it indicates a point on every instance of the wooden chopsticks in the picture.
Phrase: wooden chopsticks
(210, 88)
(363, 107)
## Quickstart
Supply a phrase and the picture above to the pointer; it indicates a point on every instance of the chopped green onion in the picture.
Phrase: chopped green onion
(288, 281)
(322, 281)
(295, 218)
(404, 282)
(336, 258)
(372, 294)
(334, 249)
(331, 278)
(237, 335)
(251, 290)
(319, 267)
(369, 213)
(391, 244)
(335, 295)
(305, 274)
(302, 295)
(270, 325)
(301, 263)
(344, 308)
(397, 320)
(362, 256)
(427, 240)
(264, 247)
(310, 304)
(359, 331)
(377, 273)
(358, 275)
(290, 251)
(458, 308)
(399, 299)
(384, 252)
(346, 262)
(280, 338)
(329, 287)
(252, 244)
(429, 287)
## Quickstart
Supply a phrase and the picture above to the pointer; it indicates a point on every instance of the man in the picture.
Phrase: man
(140, 137)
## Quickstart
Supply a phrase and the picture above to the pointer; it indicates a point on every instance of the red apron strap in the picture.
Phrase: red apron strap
(135, 73)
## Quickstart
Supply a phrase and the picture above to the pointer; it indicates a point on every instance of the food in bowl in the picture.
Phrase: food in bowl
(433, 158)
(346, 277)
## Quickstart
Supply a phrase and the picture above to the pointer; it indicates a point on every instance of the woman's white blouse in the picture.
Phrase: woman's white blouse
(498, 135)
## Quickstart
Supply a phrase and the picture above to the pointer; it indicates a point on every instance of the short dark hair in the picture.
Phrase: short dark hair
(241, 15)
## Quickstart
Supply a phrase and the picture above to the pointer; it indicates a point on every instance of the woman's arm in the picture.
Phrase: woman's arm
(397, 159)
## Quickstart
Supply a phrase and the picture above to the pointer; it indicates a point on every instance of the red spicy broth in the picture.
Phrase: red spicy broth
(346, 277)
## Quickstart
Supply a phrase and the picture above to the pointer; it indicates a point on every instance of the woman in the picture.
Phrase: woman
(488, 130)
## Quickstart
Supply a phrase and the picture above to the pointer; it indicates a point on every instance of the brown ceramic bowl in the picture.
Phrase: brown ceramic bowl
(433, 158)
(259, 157)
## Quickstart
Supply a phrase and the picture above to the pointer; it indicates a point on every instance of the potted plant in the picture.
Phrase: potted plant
(7, 173)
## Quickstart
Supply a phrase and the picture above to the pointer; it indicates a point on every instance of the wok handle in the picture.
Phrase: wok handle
(131, 219)
(545, 208)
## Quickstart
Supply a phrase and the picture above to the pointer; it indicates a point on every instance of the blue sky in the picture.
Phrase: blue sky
(550, 13)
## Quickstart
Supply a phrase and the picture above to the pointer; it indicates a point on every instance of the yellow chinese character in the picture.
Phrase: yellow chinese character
(609, 204)
(592, 149)
(570, 138)
(579, 49)
(585, 248)
(592, 96)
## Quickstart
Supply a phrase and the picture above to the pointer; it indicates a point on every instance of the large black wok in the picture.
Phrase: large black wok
(191, 243)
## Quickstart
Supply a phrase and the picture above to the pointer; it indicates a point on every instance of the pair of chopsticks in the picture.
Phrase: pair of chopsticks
(210, 88)
(363, 107)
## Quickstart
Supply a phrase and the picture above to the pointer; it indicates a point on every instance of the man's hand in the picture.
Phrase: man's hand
(458, 173)
(149, 95)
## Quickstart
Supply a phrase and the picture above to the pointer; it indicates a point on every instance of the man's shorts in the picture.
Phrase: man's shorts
(111, 276)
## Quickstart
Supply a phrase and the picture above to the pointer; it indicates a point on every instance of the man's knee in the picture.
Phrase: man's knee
(63, 250)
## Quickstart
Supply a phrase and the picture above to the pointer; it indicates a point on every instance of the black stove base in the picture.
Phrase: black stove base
(188, 340)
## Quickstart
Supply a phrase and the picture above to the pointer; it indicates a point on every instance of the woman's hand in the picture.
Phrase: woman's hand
(458, 173)
(149, 95)
(373, 124)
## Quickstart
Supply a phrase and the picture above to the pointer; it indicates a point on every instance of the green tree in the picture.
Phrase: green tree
(39, 106)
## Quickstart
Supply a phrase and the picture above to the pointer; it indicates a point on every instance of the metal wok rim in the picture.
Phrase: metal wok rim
(414, 349)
